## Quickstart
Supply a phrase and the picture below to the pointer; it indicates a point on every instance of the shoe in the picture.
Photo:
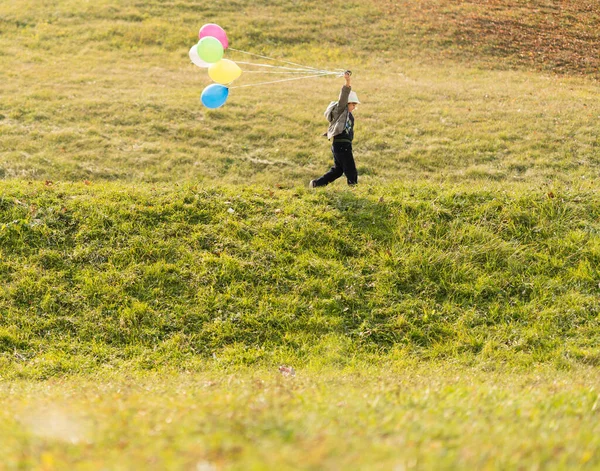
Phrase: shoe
(312, 184)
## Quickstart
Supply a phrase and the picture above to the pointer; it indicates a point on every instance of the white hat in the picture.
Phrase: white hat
(353, 98)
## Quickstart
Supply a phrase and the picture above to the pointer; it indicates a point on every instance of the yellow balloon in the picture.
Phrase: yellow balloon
(224, 71)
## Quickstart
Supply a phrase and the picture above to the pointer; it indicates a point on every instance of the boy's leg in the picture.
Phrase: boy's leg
(349, 166)
(334, 173)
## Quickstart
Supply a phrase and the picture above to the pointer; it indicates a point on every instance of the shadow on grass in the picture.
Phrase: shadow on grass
(367, 218)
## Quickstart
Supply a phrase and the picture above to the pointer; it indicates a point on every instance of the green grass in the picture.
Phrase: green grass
(105, 91)
(408, 417)
(97, 275)
(159, 261)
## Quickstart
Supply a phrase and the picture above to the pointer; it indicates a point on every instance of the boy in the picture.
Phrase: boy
(341, 129)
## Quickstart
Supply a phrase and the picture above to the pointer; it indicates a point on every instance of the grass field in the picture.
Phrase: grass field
(402, 417)
(159, 261)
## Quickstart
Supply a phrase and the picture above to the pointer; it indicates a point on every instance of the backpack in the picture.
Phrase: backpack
(329, 111)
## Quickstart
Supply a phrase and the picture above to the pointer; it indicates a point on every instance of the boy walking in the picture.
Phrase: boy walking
(341, 129)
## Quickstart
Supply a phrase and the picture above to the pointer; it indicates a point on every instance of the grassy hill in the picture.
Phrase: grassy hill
(159, 261)
(99, 275)
(105, 91)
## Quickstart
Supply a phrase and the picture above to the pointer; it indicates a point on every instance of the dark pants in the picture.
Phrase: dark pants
(343, 164)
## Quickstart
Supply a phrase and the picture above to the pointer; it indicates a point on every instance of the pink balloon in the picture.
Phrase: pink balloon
(215, 31)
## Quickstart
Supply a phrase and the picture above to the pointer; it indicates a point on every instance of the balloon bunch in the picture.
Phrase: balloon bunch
(208, 53)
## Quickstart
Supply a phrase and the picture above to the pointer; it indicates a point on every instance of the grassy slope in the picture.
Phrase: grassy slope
(100, 275)
(104, 91)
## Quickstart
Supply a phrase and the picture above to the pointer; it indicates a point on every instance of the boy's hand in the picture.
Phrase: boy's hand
(347, 76)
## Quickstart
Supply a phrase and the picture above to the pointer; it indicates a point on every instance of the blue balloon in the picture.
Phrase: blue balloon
(214, 95)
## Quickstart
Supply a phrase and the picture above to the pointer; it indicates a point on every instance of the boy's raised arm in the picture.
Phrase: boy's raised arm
(343, 100)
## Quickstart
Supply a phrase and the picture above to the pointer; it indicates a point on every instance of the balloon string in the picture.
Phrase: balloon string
(272, 59)
(284, 80)
(288, 73)
(281, 67)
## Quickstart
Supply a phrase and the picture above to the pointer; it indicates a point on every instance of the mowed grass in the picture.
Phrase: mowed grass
(159, 261)
(375, 417)
(105, 91)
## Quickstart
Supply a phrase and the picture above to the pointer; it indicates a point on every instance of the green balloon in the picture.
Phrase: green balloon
(210, 49)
